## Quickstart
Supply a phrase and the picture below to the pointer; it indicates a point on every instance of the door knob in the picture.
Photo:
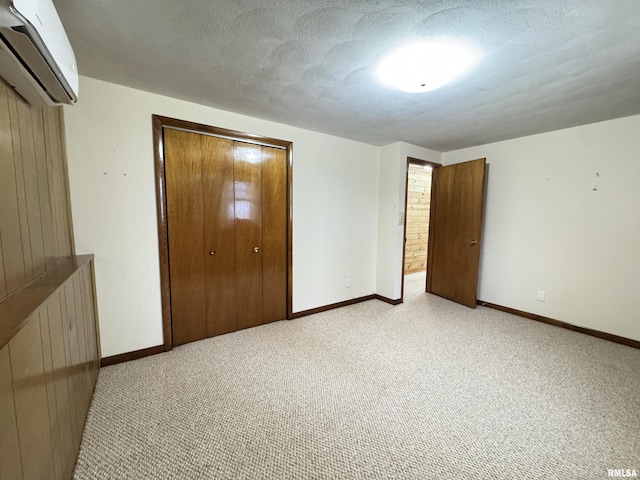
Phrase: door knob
(256, 249)
(473, 242)
(212, 252)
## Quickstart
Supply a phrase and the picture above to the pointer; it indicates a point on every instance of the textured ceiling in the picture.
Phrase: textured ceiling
(548, 64)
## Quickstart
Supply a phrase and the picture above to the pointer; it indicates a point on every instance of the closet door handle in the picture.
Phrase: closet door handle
(256, 249)
(212, 252)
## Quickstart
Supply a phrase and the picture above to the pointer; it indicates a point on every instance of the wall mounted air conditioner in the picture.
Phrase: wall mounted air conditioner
(36, 58)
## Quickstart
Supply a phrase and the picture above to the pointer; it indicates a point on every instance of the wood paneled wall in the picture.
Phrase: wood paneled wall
(35, 223)
(418, 204)
(47, 374)
(49, 351)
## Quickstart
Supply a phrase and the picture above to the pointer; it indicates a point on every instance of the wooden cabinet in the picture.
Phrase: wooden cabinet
(49, 360)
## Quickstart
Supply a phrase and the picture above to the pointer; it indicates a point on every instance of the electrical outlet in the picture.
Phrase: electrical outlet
(540, 296)
(347, 283)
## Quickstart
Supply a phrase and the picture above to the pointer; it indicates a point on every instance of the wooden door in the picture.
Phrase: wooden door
(227, 234)
(248, 233)
(183, 154)
(274, 234)
(455, 230)
(219, 243)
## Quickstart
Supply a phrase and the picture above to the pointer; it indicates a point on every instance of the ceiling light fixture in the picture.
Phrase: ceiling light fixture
(428, 64)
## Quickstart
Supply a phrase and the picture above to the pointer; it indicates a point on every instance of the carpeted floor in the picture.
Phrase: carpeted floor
(424, 390)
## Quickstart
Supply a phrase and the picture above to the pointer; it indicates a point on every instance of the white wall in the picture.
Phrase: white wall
(393, 177)
(110, 151)
(545, 226)
(563, 215)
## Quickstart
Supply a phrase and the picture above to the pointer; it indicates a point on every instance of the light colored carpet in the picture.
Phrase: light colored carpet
(423, 390)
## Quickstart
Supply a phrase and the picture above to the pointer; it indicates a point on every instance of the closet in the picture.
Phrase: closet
(226, 212)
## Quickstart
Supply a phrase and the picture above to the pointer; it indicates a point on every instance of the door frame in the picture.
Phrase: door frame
(434, 166)
(159, 124)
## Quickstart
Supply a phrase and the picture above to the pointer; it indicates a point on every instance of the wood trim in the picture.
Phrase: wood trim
(558, 323)
(432, 209)
(290, 232)
(346, 303)
(417, 161)
(404, 226)
(65, 166)
(16, 309)
(135, 355)
(158, 124)
(163, 231)
(221, 132)
(332, 306)
(388, 300)
(96, 314)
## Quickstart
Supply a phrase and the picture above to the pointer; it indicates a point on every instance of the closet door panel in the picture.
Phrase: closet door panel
(274, 234)
(183, 172)
(219, 234)
(248, 233)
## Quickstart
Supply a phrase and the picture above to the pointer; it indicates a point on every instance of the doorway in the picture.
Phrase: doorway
(417, 212)
(224, 223)
(454, 229)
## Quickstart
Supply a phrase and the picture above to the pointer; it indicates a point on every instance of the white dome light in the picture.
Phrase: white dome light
(427, 65)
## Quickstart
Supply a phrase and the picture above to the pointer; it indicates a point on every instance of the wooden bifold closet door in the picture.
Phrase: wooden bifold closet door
(227, 234)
